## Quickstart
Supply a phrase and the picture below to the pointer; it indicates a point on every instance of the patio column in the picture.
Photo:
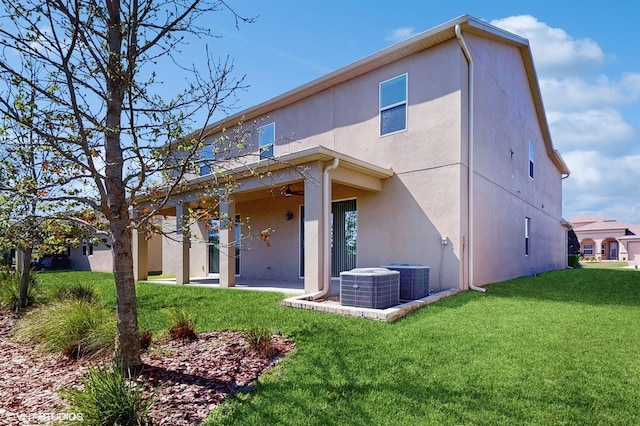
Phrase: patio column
(313, 234)
(182, 235)
(227, 244)
(141, 256)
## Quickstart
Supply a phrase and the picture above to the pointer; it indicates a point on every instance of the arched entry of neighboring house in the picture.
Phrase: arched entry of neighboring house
(610, 249)
(588, 248)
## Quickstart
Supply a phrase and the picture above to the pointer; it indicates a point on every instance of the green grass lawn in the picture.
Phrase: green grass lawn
(560, 348)
(609, 264)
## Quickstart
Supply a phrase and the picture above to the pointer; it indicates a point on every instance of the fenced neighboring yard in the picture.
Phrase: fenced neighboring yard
(559, 348)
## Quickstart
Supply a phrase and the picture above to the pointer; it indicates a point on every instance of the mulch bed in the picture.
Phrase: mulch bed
(189, 377)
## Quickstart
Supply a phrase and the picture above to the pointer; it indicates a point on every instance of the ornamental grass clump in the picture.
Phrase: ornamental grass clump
(182, 324)
(10, 290)
(76, 291)
(75, 328)
(109, 397)
(260, 340)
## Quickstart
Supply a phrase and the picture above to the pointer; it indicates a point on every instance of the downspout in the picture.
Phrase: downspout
(326, 231)
(470, 128)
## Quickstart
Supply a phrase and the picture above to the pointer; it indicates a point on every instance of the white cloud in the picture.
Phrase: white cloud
(400, 34)
(598, 182)
(579, 94)
(599, 128)
(552, 48)
(585, 112)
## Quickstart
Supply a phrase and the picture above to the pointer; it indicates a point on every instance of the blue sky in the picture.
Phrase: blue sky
(587, 56)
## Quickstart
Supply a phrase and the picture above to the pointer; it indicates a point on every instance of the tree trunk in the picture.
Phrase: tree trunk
(127, 353)
(25, 271)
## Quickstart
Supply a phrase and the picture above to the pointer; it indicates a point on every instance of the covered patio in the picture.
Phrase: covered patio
(300, 185)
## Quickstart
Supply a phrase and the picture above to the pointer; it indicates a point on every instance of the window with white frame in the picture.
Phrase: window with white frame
(393, 105)
(587, 249)
(266, 139)
(206, 155)
(527, 230)
(531, 157)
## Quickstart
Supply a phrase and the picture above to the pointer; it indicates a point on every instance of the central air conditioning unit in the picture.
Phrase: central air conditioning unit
(377, 288)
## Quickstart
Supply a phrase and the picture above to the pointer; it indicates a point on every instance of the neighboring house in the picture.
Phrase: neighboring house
(89, 257)
(434, 151)
(607, 239)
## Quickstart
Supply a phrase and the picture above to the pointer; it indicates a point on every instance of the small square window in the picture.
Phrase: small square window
(393, 105)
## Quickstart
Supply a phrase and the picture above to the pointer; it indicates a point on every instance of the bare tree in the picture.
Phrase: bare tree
(99, 66)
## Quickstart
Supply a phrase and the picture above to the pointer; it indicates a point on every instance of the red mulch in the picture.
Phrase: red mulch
(190, 378)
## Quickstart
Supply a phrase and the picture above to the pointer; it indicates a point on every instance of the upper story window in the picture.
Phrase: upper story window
(393, 105)
(531, 157)
(206, 155)
(266, 138)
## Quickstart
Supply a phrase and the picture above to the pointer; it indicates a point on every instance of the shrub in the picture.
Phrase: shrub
(76, 291)
(260, 340)
(109, 398)
(73, 327)
(573, 260)
(145, 339)
(182, 324)
(10, 290)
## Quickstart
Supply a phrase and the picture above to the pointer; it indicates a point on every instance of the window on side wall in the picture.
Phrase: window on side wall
(587, 249)
(527, 230)
(266, 139)
(393, 105)
(206, 156)
(531, 157)
(87, 248)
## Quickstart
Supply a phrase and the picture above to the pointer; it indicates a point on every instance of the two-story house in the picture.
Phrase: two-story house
(434, 151)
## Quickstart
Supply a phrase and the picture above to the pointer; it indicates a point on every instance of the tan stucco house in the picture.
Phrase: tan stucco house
(607, 239)
(435, 151)
(99, 257)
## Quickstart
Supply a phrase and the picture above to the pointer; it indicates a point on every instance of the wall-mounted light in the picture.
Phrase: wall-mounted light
(288, 216)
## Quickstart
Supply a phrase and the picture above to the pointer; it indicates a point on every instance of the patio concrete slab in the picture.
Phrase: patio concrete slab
(288, 288)
(389, 314)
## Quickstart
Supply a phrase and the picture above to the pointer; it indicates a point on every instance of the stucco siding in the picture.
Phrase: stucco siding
(406, 223)
(499, 248)
(101, 260)
(279, 259)
(505, 123)
(345, 118)
(155, 253)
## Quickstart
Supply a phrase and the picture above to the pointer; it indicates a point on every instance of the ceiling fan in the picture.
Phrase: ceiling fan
(289, 192)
